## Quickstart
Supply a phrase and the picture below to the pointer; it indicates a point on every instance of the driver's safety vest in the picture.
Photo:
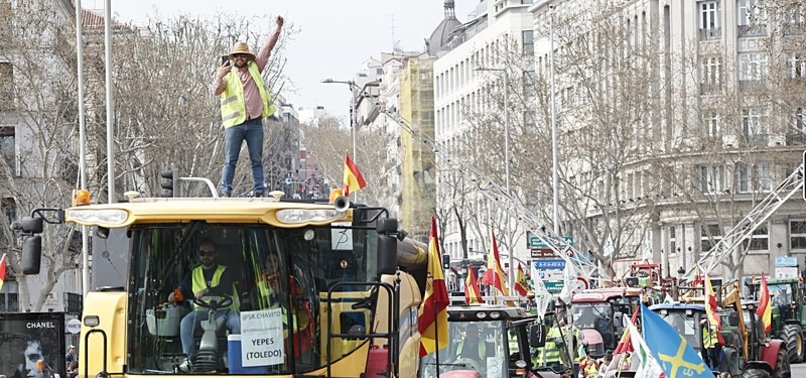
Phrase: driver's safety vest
(199, 283)
(233, 105)
(482, 349)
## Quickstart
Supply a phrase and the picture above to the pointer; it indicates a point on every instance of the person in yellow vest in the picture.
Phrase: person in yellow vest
(473, 346)
(245, 101)
(208, 281)
(711, 347)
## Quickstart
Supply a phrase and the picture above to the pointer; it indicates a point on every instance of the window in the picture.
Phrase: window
(528, 40)
(753, 178)
(797, 66)
(710, 235)
(754, 122)
(7, 145)
(747, 9)
(672, 240)
(712, 179)
(6, 86)
(752, 66)
(759, 240)
(709, 19)
(710, 122)
(797, 234)
(711, 75)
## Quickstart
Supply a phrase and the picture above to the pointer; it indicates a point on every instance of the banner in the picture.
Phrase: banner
(28, 338)
(262, 338)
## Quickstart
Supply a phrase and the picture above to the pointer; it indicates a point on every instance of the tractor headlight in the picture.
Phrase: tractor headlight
(107, 217)
(298, 216)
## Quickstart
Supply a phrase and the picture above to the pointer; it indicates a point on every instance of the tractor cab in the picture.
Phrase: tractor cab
(598, 314)
(487, 341)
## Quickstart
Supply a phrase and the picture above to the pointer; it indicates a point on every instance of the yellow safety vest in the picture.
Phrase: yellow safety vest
(199, 283)
(233, 105)
(710, 339)
(550, 353)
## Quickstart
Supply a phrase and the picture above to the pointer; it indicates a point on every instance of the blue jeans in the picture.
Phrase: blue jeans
(252, 133)
(192, 321)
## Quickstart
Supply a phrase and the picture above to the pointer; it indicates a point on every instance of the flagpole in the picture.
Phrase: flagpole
(436, 335)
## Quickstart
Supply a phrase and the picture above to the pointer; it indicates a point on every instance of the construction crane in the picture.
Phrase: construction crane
(756, 217)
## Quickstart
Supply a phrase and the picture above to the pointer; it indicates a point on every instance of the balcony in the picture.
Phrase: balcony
(756, 140)
(752, 30)
(711, 33)
(795, 138)
(710, 88)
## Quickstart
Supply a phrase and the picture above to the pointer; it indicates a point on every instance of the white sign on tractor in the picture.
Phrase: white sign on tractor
(262, 338)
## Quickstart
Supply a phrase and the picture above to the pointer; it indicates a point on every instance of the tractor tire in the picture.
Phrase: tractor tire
(793, 338)
(756, 373)
(782, 367)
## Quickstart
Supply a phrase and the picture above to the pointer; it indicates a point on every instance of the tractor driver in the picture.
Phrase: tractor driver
(209, 282)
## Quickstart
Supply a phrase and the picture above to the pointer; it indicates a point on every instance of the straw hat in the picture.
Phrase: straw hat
(241, 48)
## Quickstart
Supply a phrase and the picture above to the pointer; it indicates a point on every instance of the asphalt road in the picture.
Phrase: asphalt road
(798, 370)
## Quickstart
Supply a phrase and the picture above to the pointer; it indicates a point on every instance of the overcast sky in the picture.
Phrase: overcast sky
(336, 36)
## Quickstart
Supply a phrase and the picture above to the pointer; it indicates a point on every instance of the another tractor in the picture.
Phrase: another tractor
(598, 314)
(788, 317)
(746, 352)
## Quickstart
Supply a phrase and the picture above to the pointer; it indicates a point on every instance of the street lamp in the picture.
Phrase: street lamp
(506, 158)
(351, 85)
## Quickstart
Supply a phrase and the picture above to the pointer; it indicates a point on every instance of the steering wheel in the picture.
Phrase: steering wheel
(213, 304)
(469, 363)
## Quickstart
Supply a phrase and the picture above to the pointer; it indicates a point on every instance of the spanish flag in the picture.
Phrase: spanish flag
(353, 180)
(764, 310)
(472, 291)
(494, 275)
(520, 282)
(711, 306)
(432, 317)
(3, 264)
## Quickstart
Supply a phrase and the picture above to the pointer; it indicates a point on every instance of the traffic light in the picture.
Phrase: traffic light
(446, 262)
(169, 182)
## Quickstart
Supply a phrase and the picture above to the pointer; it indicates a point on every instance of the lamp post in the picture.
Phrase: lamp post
(506, 162)
(555, 178)
(351, 85)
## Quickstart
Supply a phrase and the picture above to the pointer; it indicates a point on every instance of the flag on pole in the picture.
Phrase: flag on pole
(472, 291)
(764, 310)
(671, 350)
(711, 306)
(542, 295)
(697, 281)
(570, 281)
(432, 317)
(353, 180)
(494, 276)
(648, 366)
(520, 281)
(3, 269)
(625, 345)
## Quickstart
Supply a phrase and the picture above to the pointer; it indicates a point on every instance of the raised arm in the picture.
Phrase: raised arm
(265, 51)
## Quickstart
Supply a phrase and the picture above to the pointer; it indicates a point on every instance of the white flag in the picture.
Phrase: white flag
(608, 247)
(542, 295)
(570, 282)
(648, 366)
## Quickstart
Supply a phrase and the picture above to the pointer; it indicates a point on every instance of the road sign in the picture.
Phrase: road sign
(786, 261)
(534, 242)
(554, 287)
(549, 264)
(786, 272)
(544, 252)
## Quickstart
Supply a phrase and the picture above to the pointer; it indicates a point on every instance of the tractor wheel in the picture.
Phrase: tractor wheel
(756, 373)
(793, 338)
(782, 368)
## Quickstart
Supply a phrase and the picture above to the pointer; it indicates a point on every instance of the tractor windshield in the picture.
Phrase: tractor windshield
(684, 323)
(477, 346)
(231, 298)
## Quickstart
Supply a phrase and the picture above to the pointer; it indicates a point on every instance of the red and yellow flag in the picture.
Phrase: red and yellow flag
(764, 310)
(472, 291)
(625, 344)
(494, 275)
(711, 306)
(433, 313)
(3, 264)
(353, 180)
(520, 282)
